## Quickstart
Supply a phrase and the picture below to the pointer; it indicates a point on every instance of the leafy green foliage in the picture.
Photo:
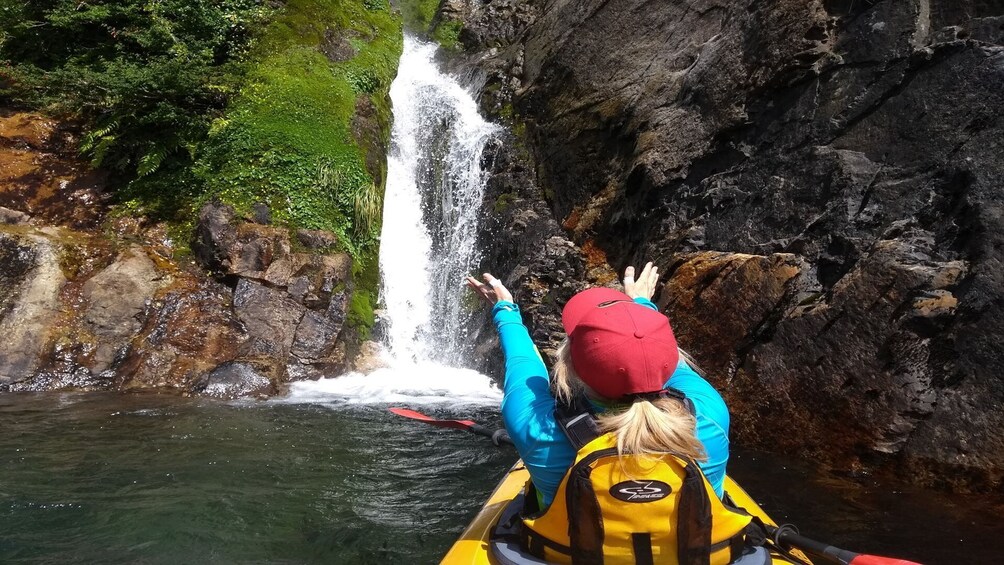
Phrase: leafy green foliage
(146, 76)
(447, 34)
(376, 5)
(289, 139)
(418, 14)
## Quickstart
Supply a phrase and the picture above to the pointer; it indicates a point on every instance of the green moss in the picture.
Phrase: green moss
(418, 15)
(288, 139)
(366, 274)
(448, 34)
(504, 201)
(361, 316)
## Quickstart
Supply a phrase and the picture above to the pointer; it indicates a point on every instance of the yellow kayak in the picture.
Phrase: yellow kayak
(474, 545)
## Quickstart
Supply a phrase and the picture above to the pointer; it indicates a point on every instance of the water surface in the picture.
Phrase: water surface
(104, 478)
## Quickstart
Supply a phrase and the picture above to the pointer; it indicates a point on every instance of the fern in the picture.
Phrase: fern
(151, 161)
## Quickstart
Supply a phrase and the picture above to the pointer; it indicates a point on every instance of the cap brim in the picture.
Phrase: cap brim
(585, 301)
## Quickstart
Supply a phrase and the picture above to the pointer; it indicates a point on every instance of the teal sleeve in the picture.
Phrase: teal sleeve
(528, 407)
(646, 302)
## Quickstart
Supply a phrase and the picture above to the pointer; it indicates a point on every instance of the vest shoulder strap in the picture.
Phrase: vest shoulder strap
(577, 420)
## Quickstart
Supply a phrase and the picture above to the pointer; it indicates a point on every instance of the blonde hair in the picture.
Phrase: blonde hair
(644, 427)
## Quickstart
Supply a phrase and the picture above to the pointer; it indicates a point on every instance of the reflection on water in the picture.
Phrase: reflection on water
(98, 478)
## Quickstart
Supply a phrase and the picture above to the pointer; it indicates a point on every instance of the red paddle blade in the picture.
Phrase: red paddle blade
(454, 424)
(876, 560)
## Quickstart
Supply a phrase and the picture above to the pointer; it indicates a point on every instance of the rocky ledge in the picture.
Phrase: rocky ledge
(89, 301)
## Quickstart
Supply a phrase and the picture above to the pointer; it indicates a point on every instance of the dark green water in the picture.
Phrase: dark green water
(95, 478)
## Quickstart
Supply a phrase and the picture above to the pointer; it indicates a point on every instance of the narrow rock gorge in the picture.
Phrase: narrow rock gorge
(821, 182)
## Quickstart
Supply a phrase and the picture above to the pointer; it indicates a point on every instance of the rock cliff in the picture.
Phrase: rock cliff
(821, 181)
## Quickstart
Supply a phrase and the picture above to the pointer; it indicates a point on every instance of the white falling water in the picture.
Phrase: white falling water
(435, 186)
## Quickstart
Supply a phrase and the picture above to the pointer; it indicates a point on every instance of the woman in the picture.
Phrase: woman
(620, 355)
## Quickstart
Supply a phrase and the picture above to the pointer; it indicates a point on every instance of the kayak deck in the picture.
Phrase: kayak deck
(472, 546)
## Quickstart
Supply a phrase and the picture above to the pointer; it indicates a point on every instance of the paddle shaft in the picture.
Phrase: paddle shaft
(498, 437)
(828, 553)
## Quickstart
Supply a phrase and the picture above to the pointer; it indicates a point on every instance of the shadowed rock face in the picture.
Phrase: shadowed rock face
(822, 181)
(42, 177)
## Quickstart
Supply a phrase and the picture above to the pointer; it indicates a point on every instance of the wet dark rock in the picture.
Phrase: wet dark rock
(336, 46)
(215, 236)
(77, 379)
(234, 380)
(315, 336)
(368, 133)
(260, 214)
(269, 315)
(529, 251)
(845, 159)
(189, 330)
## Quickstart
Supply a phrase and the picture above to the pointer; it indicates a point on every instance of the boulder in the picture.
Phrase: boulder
(236, 248)
(270, 317)
(316, 239)
(234, 380)
(116, 299)
(30, 285)
(191, 329)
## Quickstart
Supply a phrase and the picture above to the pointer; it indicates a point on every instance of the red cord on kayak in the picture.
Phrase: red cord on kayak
(876, 560)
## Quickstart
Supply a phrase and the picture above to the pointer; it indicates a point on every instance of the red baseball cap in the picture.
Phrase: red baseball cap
(618, 347)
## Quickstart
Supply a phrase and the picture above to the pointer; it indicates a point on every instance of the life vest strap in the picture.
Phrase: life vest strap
(577, 421)
(692, 522)
(641, 544)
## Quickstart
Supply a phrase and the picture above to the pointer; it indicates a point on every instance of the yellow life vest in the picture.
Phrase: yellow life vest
(631, 509)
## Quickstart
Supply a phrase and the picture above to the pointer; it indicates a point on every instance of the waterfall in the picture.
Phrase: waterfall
(435, 186)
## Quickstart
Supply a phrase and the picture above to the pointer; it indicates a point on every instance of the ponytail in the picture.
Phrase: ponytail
(662, 425)
(655, 427)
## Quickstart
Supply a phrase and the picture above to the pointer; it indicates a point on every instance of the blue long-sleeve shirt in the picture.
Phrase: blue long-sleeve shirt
(528, 409)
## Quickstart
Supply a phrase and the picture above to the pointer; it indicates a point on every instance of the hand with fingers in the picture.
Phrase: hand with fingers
(491, 291)
(644, 287)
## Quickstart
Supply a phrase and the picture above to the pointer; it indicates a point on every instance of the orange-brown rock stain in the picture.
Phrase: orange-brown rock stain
(597, 265)
(42, 175)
